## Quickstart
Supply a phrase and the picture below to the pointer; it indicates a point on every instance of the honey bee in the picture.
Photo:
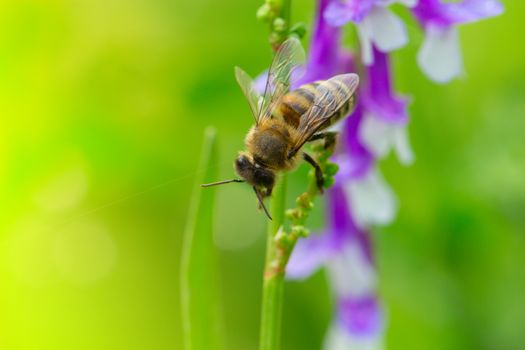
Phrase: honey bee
(285, 120)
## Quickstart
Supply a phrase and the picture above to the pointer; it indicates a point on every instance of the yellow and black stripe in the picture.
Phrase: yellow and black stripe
(295, 103)
(332, 92)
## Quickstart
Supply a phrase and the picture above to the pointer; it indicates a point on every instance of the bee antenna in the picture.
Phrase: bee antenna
(221, 182)
(262, 203)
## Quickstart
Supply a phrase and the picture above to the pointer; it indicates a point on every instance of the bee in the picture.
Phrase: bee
(285, 120)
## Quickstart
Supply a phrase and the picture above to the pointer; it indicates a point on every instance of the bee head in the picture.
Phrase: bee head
(255, 174)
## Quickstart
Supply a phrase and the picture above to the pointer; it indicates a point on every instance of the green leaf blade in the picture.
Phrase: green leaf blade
(199, 280)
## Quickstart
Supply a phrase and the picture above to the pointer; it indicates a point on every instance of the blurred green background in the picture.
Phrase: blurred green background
(102, 108)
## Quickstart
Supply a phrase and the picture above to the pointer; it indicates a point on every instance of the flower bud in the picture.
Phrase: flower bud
(304, 201)
(263, 13)
(276, 39)
(331, 169)
(293, 214)
(300, 231)
(279, 25)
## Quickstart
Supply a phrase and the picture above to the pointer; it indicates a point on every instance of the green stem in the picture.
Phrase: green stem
(273, 281)
(286, 11)
(280, 244)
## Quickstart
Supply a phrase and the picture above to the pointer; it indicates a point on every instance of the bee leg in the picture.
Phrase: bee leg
(318, 172)
(328, 137)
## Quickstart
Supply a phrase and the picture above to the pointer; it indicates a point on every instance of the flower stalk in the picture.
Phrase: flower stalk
(281, 242)
(276, 13)
(273, 280)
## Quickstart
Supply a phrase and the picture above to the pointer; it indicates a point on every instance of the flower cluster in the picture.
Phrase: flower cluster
(360, 198)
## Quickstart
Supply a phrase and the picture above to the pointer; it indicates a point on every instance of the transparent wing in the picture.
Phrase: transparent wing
(287, 61)
(332, 95)
(248, 88)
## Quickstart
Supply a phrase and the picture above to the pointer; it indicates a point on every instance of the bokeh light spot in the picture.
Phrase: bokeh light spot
(28, 252)
(85, 253)
(63, 190)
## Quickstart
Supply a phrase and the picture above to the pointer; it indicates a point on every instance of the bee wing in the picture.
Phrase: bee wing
(332, 95)
(248, 88)
(287, 60)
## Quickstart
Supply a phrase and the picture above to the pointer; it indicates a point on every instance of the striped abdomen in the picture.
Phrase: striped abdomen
(333, 92)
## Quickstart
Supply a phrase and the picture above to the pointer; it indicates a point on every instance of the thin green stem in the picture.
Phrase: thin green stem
(280, 244)
(286, 11)
(277, 14)
(273, 280)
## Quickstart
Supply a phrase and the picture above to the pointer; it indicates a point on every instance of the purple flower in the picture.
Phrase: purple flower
(358, 323)
(341, 12)
(326, 57)
(445, 14)
(378, 96)
(354, 159)
(359, 320)
(376, 25)
(345, 250)
(373, 201)
(385, 114)
(361, 315)
(309, 254)
(376, 125)
(440, 55)
(360, 198)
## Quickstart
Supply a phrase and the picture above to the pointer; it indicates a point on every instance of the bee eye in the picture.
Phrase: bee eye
(242, 163)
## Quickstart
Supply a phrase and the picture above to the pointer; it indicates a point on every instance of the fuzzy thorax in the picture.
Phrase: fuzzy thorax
(270, 143)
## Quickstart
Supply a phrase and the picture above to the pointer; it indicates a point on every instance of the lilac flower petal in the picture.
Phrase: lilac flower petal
(338, 338)
(352, 167)
(383, 29)
(365, 40)
(377, 135)
(332, 246)
(363, 237)
(336, 14)
(350, 271)
(308, 255)
(379, 98)
(326, 58)
(437, 13)
(361, 317)
(342, 224)
(404, 151)
(354, 159)
(388, 30)
(373, 201)
(337, 213)
(340, 12)
(380, 137)
(440, 55)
